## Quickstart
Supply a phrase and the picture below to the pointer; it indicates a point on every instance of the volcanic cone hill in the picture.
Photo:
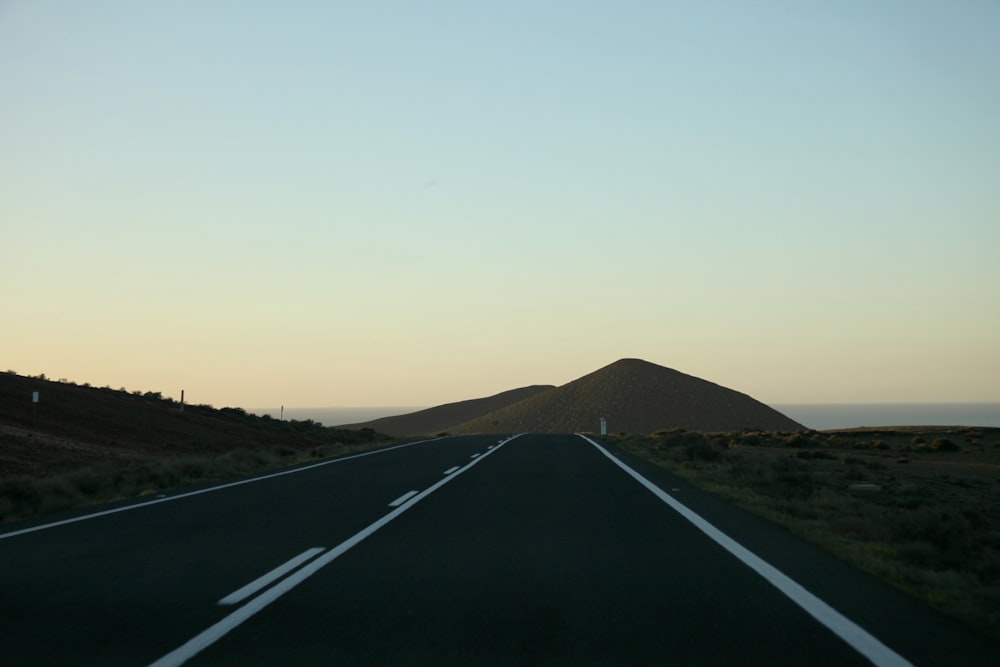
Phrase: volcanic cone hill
(443, 417)
(635, 396)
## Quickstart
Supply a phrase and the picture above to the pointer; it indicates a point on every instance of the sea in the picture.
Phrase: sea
(818, 416)
(822, 416)
(337, 416)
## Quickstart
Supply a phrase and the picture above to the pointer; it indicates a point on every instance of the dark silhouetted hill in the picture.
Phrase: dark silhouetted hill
(636, 397)
(443, 417)
(79, 425)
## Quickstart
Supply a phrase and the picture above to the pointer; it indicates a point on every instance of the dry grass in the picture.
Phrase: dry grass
(918, 507)
(24, 496)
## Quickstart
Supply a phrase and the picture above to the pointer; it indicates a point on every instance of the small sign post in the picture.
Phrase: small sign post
(604, 426)
(34, 409)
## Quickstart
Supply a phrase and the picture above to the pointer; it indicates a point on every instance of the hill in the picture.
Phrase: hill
(635, 396)
(443, 417)
(80, 426)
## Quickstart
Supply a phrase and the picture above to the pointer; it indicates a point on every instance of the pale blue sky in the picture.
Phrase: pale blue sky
(333, 203)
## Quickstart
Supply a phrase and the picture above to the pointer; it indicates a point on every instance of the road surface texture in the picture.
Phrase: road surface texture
(477, 550)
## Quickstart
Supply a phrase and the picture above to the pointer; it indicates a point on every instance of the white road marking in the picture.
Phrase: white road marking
(451, 470)
(24, 531)
(475, 456)
(850, 632)
(200, 642)
(261, 582)
(403, 498)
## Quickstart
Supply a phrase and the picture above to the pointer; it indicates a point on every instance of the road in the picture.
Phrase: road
(533, 550)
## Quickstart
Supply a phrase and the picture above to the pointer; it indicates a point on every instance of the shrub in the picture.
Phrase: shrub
(945, 530)
(89, 482)
(795, 440)
(702, 451)
(944, 445)
(815, 455)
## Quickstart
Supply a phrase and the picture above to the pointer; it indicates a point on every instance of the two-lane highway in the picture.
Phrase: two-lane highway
(471, 550)
(126, 587)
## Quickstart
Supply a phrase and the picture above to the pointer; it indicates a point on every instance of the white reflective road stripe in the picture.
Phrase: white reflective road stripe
(212, 489)
(849, 631)
(261, 582)
(403, 498)
(200, 642)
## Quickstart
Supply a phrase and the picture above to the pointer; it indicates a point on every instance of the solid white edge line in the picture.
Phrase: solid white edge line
(403, 498)
(849, 631)
(451, 470)
(261, 582)
(54, 524)
(206, 638)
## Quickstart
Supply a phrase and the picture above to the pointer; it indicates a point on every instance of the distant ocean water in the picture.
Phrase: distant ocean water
(817, 416)
(820, 416)
(336, 416)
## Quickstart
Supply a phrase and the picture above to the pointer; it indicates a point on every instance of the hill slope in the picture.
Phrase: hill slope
(443, 417)
(636, 397)
(79, 426)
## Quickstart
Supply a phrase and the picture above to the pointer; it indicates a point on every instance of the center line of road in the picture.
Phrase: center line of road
(850, 632)
(403, 498)
(262, 582)
(451, 470)
(475, 456)
(211, 489)
(237, 617)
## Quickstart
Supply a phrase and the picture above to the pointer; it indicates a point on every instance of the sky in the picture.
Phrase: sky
(410, 203)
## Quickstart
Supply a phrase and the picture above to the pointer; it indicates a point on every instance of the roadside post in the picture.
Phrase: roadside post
(604, 426)
(34, 409)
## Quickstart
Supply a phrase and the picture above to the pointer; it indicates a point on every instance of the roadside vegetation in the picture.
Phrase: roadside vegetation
(82, 445)
(918, 507)
(24, 496)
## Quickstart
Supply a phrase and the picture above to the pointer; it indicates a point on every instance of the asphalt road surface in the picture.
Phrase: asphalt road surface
(478, 550)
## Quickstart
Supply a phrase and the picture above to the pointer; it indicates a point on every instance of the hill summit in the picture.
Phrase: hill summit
(635, 396)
